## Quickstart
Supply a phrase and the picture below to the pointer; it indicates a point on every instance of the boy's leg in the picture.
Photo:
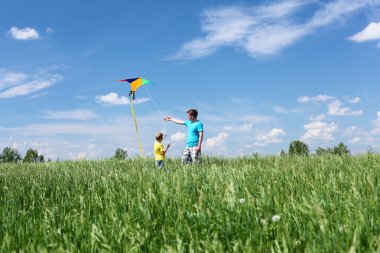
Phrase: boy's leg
(195, 156)
(159, 164)
(186, 156)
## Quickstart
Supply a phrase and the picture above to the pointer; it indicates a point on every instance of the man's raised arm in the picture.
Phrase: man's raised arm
(177, 121)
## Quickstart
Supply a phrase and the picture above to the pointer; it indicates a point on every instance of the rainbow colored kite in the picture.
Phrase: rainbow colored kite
(135, 84)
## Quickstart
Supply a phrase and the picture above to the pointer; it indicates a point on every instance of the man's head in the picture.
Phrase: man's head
(192, 114)
(159, 136)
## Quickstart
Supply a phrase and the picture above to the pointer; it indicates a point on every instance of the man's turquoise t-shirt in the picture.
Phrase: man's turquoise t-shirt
(193, 129)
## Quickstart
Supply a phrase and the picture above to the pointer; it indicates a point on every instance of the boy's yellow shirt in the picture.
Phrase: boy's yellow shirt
(158, 151)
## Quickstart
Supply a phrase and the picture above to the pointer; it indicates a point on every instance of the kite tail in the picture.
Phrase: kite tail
(137, 129)
(132, 95)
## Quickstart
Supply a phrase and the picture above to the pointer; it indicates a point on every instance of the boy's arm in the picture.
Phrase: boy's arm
(167, 147)
(177, 121)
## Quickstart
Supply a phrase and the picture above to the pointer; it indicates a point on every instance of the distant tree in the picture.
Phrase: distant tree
(341, 149)
(255, 155)
(324, 151)
(10, 155)
(282, 153)
(298, 148)
(120, 154)
(370, 151)
(31, 156)
(41, 158)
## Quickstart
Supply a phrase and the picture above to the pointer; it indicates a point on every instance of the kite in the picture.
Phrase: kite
(135, 84)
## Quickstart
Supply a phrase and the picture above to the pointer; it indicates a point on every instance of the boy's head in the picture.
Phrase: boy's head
(192, 113)
(159, 136)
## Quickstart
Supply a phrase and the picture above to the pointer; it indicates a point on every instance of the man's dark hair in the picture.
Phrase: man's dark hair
(193, 112)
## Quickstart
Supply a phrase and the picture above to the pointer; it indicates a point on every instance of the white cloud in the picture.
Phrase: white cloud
(113, 98)
(216, 141)
(371, 32)
(78, 114)
(178, 136)
(319, 130)
(270, 137)
(16, 84)
(265, 29)
(335, 108)
(24, 33)
(318, 98)
(355, 100)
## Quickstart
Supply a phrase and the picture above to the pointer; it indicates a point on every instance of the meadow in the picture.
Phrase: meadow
(248, 204)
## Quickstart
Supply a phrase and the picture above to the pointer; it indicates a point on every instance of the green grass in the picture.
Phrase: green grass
(326, 204)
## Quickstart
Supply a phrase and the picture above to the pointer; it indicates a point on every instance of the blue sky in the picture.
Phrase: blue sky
(261, 74)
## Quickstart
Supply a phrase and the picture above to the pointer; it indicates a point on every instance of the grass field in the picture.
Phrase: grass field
(320, 204)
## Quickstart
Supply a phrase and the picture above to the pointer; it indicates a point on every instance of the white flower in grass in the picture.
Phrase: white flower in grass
(342, 228)
(242, 201)
(276, 218)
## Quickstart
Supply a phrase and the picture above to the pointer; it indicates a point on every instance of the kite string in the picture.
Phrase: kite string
(158, 108)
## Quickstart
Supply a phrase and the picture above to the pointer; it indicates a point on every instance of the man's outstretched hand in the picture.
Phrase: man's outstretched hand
(167, 118)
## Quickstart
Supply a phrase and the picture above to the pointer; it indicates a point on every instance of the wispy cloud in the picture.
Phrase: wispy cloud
(317, 118)
(355, 100)
(318, 98)
(49, 30)
(113, 98)
(376, 124)
(335, 108)
(15, 84)
(11, 78)
(246, 127)
(266, 29)
(253, 118)
(280, 109)
(26, 33)
(369, 33)
(77, 114)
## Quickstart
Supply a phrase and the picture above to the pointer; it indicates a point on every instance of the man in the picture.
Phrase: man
(193, 147)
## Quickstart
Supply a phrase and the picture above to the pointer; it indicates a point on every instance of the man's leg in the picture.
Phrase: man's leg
(186, 156)
(195, 156)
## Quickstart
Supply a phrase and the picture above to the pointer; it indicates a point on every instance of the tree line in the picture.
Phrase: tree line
(296, 147)
(13, 155)
(300, 148)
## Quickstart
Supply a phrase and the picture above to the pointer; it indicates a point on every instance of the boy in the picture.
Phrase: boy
(159, 152)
